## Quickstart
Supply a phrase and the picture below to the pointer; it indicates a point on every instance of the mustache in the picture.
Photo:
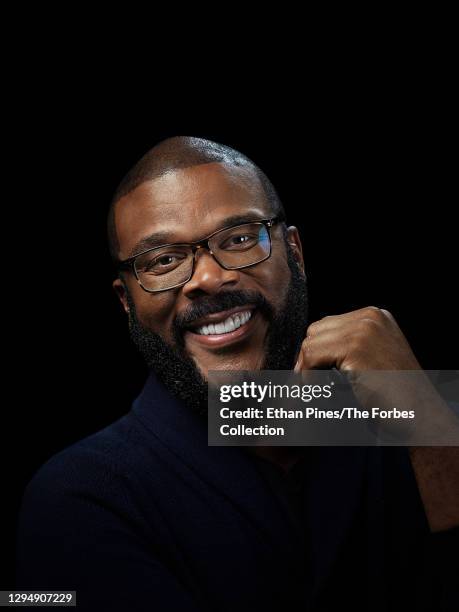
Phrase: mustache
(224, 300)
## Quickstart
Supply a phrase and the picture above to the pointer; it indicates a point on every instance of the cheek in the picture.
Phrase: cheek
(275, 280)
(154, 311)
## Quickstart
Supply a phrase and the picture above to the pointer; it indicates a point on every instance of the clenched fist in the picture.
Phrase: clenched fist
(365, 339)
(368, 340)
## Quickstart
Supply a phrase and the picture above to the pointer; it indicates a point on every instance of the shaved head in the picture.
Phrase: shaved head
(179, 192)
(177, 153)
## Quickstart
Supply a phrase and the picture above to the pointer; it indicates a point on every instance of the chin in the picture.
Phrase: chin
(231, 364)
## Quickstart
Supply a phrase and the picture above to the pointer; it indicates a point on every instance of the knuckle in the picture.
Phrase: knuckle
(373, 312)
(387, 314)
(312, 328)
(368, 326)
(307, 344)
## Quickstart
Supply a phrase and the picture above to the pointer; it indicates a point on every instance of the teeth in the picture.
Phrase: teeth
(226, 326)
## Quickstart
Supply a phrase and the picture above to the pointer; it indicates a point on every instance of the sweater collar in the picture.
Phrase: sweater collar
(333, 492)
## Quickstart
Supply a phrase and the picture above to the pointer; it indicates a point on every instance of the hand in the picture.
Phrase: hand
(365, 339)
(369, 339)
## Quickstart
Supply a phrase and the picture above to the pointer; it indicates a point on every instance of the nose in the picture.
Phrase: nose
(208, 276)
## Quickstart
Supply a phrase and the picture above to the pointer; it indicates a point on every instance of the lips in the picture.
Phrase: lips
(223, 328)
(219, 317)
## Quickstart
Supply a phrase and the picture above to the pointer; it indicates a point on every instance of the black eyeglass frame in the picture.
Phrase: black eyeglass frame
(129, 264)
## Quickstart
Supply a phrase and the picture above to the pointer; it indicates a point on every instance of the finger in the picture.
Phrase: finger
(342, 330)
(325, 350)
(335, 321)
(299, 362)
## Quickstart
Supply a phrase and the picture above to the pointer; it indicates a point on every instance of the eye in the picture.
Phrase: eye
(164, 260)
(163, 263)
(240, 241)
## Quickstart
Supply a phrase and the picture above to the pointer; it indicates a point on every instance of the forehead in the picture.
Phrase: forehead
(188, 203)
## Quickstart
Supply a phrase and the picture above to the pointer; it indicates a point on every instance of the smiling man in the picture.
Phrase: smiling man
(246, 273)
(144, 514)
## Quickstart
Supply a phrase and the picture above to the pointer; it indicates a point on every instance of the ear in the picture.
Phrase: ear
(293, 238)
(120, 291)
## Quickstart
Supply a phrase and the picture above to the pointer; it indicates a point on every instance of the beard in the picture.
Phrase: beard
(176, 369)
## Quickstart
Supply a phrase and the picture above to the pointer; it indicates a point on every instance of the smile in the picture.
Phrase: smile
(230, 324)
(223, 328)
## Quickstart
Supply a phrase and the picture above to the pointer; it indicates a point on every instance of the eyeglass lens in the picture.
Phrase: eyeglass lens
(233, 248)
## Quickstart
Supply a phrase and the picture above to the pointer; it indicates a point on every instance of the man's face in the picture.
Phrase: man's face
(184, 206)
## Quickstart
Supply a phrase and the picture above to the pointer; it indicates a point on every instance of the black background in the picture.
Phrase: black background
(366, 172)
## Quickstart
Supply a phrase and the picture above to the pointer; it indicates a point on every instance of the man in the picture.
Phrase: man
(145, 515)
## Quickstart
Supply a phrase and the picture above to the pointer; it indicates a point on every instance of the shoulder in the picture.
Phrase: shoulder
(83, 512)
(100, 466)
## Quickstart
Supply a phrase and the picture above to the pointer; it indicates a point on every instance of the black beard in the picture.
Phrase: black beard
(175, 368)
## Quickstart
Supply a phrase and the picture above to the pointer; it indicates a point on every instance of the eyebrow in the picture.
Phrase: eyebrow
(161, 238)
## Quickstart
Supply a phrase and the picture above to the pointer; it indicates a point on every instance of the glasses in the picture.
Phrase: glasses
(172, 265)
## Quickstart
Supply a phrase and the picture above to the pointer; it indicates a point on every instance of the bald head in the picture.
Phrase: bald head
(177, 153)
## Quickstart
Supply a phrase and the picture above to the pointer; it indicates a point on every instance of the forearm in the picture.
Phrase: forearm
(437, 475)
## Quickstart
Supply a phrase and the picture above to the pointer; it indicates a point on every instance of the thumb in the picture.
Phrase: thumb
(299, 362)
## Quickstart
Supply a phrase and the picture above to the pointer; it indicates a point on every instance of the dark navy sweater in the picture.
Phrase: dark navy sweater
(145, 516)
